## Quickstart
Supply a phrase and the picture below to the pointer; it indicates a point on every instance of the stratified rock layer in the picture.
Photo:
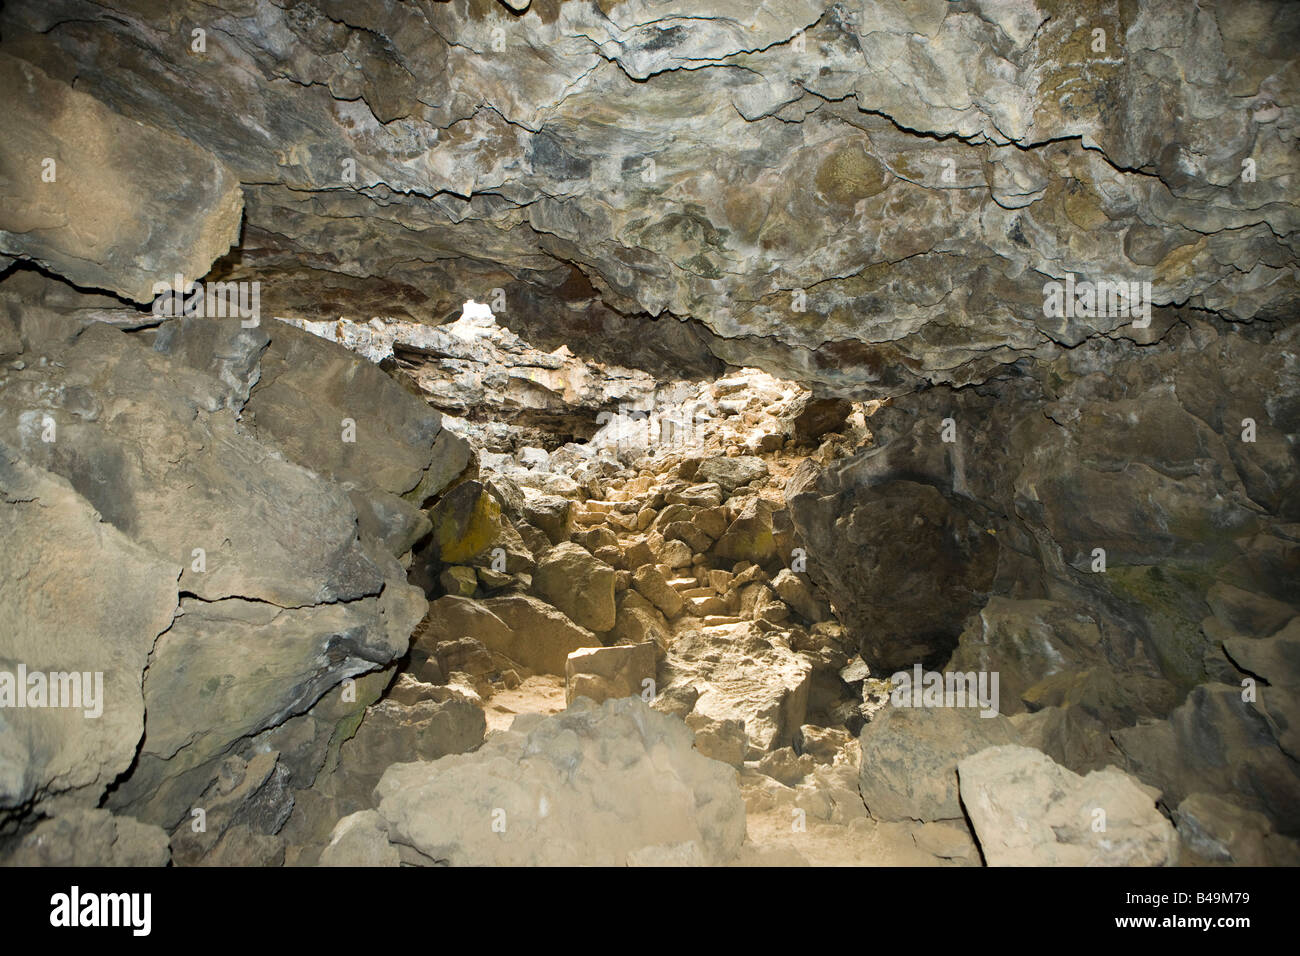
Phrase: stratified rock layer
(870, 196)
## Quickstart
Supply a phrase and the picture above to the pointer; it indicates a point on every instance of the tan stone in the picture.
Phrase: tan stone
(604, 673)
(655, 588)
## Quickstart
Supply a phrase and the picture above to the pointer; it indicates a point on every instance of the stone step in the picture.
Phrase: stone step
(705, 606)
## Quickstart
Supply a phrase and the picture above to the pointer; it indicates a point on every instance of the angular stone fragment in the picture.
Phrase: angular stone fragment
(460, 581)
(742, 674)
(730, 473)
(1029, 811)
(578, 584)
(655, 588)
(794, 591)
(809, 418)
(520, 627)
(360, 839)
(605, 673)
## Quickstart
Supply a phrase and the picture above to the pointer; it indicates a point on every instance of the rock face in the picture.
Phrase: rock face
(1028, 811)
(91, 838)
(477, 370)
(1220, 831)
(51, 530)
(1112, 624)
(591, 786)
(739, 673)
(236, 585)
(81, 197)
(910, 757)
(947, 160)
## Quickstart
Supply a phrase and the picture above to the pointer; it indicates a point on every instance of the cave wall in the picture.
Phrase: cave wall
(870, 198)
(865, 196)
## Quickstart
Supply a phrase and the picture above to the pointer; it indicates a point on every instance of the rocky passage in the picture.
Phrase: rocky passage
(614, 433)
(641, 567)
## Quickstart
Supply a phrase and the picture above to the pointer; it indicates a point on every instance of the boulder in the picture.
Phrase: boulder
(675, 554)
(706, 495)
(750, 537)
(360, 839)
(786, 766)
(794, 591)
(639, 621)
(723, 740)
(90, 838)
(520, 627)
(731, 473)
(578, 584)
(459, 580)
(739, 673)
(308, 392)
(604, 673)
(469, 527)
(108, 620)
(391, 732)
(590, 786)
(809, 418)
(1027, 810)
(910, 756)
(653, 586)
(687, 531)
(824, 744)
(542, 637)
(550, 513)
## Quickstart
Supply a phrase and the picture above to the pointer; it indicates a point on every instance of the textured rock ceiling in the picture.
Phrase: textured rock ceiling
(918, 169)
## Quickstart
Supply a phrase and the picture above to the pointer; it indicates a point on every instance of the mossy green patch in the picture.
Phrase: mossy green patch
(462, 537)
(343, 732)
(1171, 602)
